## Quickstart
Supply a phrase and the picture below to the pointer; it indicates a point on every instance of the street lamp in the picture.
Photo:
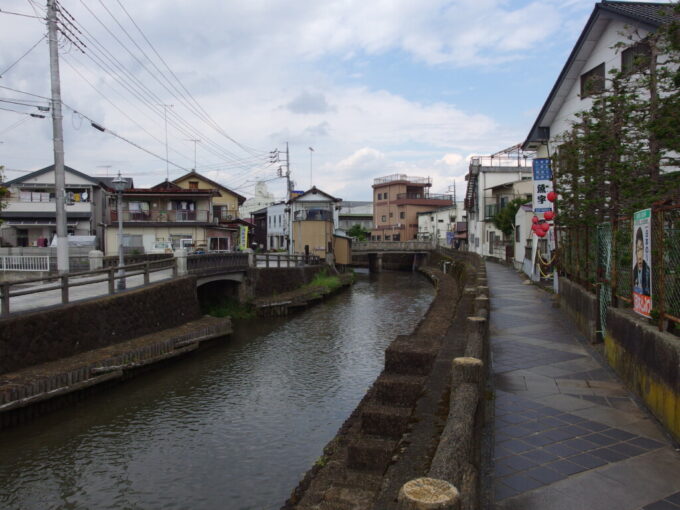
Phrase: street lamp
(119, 185)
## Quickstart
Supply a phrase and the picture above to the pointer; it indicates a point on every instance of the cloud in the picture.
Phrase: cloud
(308, 102)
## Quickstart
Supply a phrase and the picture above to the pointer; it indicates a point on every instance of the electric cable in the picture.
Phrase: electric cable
(22, 56)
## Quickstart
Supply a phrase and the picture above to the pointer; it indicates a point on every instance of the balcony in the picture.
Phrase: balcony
(418, 198)
(176, 216)
(313, 215)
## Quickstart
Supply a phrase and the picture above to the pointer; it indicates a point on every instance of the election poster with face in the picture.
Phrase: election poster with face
(642, 262)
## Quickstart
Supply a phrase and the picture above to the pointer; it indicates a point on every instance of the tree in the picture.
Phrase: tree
(504, 220)
(358, 232)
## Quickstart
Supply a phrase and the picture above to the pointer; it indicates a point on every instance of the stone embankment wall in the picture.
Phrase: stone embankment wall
(648, 361)
(424, 414)
(27, 339)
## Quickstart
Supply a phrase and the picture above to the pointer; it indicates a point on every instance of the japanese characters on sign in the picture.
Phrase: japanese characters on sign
(642, 262)
(243, 237)
(542, 185)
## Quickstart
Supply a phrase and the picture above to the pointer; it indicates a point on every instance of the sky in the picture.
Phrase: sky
(374, 88)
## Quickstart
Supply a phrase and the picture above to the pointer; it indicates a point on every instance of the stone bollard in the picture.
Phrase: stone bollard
(466, 370)
(481, 305)
(477, 327)
(181, 256)
(428, 494)
(96, 259)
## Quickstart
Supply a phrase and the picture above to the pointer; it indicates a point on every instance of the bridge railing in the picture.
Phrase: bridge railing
(376, 246)
(285, 260)
(24, 263)
(208, 261)
(68, 281)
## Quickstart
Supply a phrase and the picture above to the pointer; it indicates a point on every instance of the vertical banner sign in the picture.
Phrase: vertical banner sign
(642, 262)
(243, 237)
(543, 185)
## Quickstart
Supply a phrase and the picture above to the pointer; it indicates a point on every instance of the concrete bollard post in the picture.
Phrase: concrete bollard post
(428, 494)
(181, 256)
(481, 305)
(96, 258)
(466, 370)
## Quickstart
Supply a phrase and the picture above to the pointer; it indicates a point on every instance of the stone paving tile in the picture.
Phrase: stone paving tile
(567, 434)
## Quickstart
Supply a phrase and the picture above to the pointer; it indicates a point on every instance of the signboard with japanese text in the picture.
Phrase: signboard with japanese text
(543, 185)
(642, 262)
(243, 237)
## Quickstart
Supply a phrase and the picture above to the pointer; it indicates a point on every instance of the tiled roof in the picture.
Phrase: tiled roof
(645, 12)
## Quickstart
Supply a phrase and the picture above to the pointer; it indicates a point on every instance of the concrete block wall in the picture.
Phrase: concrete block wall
(648, 361)
(581, 306)
(31, 338)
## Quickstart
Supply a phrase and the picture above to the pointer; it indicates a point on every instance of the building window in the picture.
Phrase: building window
(383, 218)
(384, 196)
(391, 215)
(396, 237)
(592, 82)
(635, 58)
(517, 235)
(402, 215)
(193, 184)
(387, 238)
(379, 196)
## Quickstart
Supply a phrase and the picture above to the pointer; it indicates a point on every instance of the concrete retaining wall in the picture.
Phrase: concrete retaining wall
(648, 361)
(265, 282)
(28, 339)
(390, 436)
(581, 306)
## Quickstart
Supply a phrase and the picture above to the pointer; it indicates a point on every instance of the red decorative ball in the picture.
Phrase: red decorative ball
(545, 227)
(534, 220)
(548, 215)
(552, 196)
(539, 232)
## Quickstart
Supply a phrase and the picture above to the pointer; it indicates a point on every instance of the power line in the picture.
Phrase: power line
(231, 156)
(22, 56)
(19, 14)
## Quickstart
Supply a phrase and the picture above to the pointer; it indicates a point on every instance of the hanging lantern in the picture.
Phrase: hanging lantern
(545, 227)
(552, 196)
(548, 215)
(534, 220)
(539, 232)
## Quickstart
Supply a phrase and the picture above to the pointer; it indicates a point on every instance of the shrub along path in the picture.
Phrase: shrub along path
(568, 434)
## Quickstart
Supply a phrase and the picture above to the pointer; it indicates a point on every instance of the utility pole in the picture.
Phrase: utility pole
(165, 115)
(289, 187)
(57, 140)
(195, 140)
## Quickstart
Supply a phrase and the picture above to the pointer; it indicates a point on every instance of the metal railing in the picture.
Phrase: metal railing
(402, 177)
(208, 261)
(24, 263)
(424, 196)
(285, 260)
(70, 280)
(366, 246)
(162, 216)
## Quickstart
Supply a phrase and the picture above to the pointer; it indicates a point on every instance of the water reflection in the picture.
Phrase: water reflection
(233, 427)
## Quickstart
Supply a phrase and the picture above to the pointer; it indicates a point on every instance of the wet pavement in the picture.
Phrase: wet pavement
(568, 434)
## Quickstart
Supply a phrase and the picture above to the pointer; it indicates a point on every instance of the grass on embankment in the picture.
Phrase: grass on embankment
(229, 307)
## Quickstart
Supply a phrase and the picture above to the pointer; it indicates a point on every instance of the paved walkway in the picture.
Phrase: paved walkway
(568, 435)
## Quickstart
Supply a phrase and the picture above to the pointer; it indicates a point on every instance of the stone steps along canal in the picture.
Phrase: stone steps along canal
(231, 427)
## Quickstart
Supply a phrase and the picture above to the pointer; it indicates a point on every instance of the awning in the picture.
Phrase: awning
(462, 235)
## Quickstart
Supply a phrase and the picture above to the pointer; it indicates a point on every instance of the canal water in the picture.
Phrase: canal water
(234, 426)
